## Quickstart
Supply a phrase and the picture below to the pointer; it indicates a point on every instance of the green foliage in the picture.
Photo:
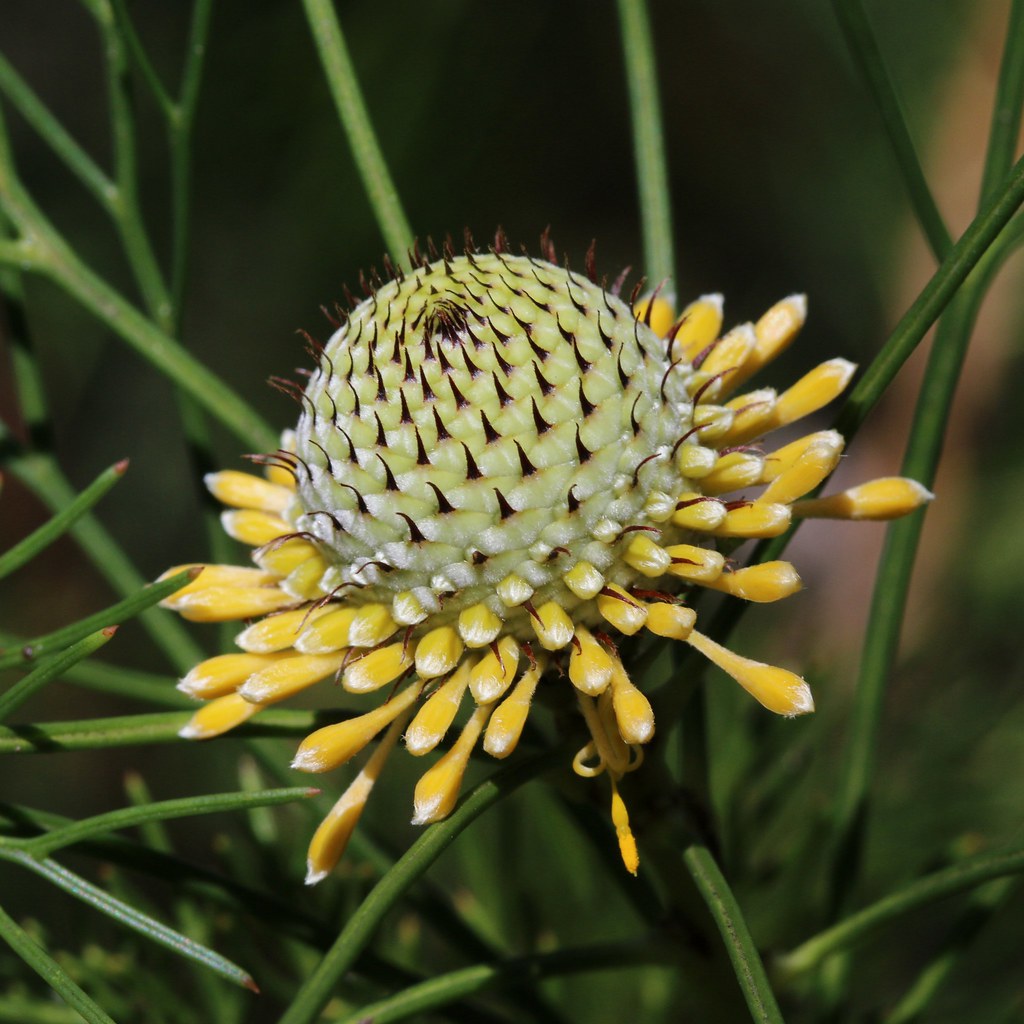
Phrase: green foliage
(832, 869)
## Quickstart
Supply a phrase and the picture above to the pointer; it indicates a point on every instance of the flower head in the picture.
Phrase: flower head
(499, 470)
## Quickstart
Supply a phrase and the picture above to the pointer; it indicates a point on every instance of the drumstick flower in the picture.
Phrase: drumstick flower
(501, 468)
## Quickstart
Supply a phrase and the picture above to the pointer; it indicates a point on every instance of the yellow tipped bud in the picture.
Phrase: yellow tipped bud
(590, 665)
(647, 557)
(250, 526)
(514, 591)
(695, 563)
(222, 674)
(495, 671)
(886, 498)
(243, 490)
(331, 838)
(304, 579)
(670, 620)
(376, 669)
(633, 713)
(438, 788)
(407, 609)
(438, 652)
(814, 390)
(434, 719)
(218, 717)
(762, 583)
(333, 745)
(280, 476)
(283, 559)
(753, 414)
(729, 355)
(625, 613)
(627, 844)
(697, 512)
(371, 626)
(774, 332)
(758, 519)
(214, 576)
(584, 581)
(777, 689)
(733, 471)
(277, 632)
(695, 461)
(712, 422)
(662, 314)
(700, 323)
(506, 724)
(806, 471)
(479, 626)
(327, 632)
(552, 625)
(289, 676)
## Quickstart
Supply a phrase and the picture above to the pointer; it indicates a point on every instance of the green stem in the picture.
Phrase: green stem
(732, 926)
(360, 927)
(864, 49)
(51, 669)
(444, 989)
(648, 143)
(1008, 105)
(348, 99)
(856, 927)
(50, 971)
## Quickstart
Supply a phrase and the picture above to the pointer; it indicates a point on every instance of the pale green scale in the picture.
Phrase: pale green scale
(527, 473)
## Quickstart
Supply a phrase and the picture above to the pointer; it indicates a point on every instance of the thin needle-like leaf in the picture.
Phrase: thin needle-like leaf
(162, 810)
(27, 549)
(50, 971)
(130, 917)
(52, 668)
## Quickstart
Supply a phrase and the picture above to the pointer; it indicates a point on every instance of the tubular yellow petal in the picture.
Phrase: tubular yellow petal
(778, 690)
(670, 620)
(733, 471)
(253, 527)
(438, 652)
(434, 719)
(304, 580)
(584, 581)
(774, 331)
(886, 498)
(712, 422)
(407, 609)
(806, 471)
(647, 557)
(333, 745)
(700, 323)
(753, 414)
(552, 625)
(283, 559)
(633, 713)
(228, 604)
(438, 788)
(762, 583)
(782, 458)
(695, 563)
(758, 519)
(622, 611)
(814, 390)
(590, 665)
(662, 315)
(494, 672)
(218, 717)
(371, 625)
(327, 632)
(479, 626)
(506, 724)
(243, 490)
(214, 576)
(280, 477)
(731, 352)
(289, 676)
(697, 512)
(378, 668)
(222, 674)
(276, 632)
(331, 838)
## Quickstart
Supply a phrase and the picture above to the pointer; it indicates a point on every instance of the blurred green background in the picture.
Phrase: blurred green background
(516, 114)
